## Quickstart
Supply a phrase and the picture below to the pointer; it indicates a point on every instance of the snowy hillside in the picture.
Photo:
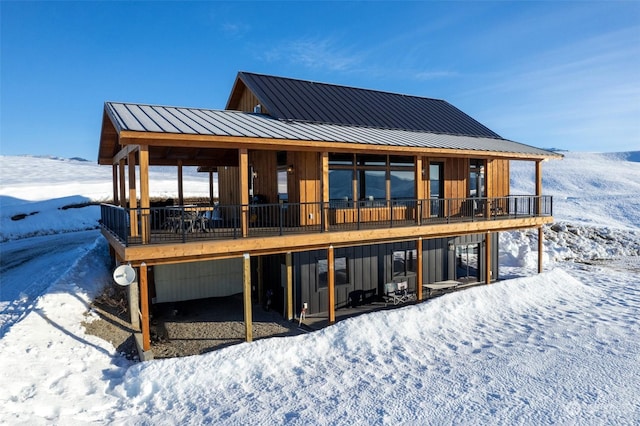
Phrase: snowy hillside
(562, 347)
(588, 188)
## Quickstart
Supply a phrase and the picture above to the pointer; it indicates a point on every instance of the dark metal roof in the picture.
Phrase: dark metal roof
(300, 100)
(196, 121)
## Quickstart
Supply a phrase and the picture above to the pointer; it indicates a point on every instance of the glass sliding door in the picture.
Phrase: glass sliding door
(467, 266)
(436, 189)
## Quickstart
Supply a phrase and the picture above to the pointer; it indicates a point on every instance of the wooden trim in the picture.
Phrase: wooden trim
(155, 254)
(331, 287)
(246, 293)
(144, 307)
(214, 141)
(124, 153)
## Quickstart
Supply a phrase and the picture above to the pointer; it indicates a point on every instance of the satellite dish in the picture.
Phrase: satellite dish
(124, 275)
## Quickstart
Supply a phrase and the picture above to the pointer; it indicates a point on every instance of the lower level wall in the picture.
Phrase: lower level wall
(369, 267)
(197, 280)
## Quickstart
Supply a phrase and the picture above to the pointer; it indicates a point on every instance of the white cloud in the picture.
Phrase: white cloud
(316, 53)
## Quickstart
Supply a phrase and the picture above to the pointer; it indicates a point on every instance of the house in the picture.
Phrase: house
(325, 191)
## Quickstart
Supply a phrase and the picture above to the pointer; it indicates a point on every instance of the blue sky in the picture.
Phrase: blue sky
(550, 74)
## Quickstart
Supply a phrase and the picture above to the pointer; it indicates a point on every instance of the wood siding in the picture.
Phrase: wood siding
(305, 184)
(456, 180)
(228, 185)
(265, 165)
(498, 174)
(248, 101)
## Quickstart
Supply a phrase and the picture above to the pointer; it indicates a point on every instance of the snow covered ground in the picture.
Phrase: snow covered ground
(561, 347)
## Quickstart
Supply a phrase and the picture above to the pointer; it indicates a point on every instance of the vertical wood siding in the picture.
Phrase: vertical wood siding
(498, 178)
(228, 185)
(248, 101)
(265, 165)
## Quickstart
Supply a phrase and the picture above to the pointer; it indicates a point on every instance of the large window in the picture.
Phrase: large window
(372, 185)
(340, 185)
(404, 262)
(402, 184)
(341, 272)
(378, 177)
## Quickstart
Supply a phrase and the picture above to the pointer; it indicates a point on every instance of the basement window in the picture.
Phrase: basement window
(341, 272)
(404, 262)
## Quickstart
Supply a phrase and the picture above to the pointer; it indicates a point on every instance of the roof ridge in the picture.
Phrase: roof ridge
(344, 86)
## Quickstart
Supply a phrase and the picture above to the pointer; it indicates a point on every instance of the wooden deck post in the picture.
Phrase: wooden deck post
(145, 212)
(540, 249)
(289, 286)
(539, 188)
(243, 162)
(211, 187)
(123, 188)
(114, 181)
(419, 268)
(325, 189)
(331, 285)
(180, 185)
(419, 179)
(487, 258)
(144, 307)
(133, 196)
(246, 291)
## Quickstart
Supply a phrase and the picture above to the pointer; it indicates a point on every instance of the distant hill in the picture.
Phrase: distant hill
(54, 157)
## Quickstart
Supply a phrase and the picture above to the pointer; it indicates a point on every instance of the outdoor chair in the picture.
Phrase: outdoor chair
(397, 293)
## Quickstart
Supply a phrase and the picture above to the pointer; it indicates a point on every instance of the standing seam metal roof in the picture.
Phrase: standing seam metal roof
(195, 121)
(300, 100)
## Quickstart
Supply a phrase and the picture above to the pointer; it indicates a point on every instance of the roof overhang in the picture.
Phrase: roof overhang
(206, 137)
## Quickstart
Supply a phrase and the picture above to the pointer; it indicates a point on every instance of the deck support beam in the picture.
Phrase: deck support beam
(539, 213)
(540, 249)
(289, 266)
(419, 268)
(487, 258)
(331, 287)
(144, 307)
(246, 293)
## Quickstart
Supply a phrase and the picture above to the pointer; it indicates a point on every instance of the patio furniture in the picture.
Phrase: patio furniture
(440, 285)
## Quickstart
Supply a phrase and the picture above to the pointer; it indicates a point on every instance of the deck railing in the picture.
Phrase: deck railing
(191, 223)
